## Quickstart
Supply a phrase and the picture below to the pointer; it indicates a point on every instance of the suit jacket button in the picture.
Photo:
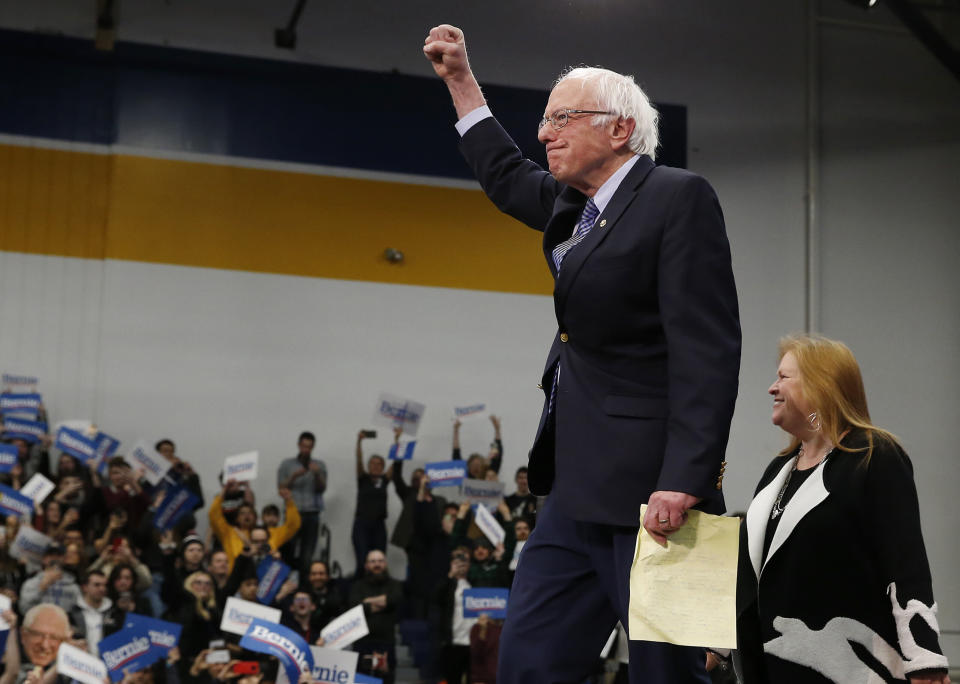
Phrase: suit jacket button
(564, 337)
(539, 385)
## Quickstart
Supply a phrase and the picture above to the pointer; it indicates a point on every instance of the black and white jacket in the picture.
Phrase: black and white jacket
(844, 592)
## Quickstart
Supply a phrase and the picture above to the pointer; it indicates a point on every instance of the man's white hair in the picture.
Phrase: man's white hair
(34, 613)
(620, 94)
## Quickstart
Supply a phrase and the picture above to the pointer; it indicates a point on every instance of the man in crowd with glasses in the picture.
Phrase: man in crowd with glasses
(640, 383)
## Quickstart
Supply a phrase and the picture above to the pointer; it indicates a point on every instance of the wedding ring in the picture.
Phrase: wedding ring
(664, 522)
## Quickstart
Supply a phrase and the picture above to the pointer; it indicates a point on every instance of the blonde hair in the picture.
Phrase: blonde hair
(203, 607)
(831, 382)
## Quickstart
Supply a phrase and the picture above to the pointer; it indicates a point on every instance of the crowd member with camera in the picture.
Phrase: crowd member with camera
(52, 585)
(369, 521)
(450, 626)
(306, 478)
(233, 538)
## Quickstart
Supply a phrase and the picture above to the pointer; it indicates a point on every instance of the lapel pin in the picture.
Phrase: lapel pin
(603, 222)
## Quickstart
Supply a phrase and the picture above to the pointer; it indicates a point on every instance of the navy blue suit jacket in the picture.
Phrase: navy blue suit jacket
(648, 338)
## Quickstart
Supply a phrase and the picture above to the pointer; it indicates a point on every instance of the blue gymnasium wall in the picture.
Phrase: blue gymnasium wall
(187, 101)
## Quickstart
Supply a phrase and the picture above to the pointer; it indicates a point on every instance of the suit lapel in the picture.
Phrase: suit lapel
(566, 211)
(606, 222)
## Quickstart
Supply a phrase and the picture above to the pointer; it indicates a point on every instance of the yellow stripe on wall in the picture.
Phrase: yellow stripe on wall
(219, 216)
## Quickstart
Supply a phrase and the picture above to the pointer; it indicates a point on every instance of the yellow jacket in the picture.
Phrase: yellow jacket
(233, 540)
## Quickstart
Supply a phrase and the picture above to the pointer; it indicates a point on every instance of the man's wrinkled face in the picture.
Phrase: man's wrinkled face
(42, 639)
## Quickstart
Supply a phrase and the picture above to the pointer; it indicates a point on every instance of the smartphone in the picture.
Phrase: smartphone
(246, 667)
(370, 434)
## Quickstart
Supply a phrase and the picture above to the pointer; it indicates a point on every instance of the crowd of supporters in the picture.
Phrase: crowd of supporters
(106, 559)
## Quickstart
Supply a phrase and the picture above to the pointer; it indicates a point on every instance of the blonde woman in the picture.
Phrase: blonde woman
(198, 613)
(836, 585)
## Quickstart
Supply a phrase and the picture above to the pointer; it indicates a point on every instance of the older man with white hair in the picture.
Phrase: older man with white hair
(640, 383)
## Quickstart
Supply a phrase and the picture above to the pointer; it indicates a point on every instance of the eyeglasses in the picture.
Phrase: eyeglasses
(37, 635)
(560, 117)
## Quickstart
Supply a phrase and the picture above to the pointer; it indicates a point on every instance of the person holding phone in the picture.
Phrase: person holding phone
(369, 521)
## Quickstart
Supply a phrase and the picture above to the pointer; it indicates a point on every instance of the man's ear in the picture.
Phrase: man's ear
(620, 135)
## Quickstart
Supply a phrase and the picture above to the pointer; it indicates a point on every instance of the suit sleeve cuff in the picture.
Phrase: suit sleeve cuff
(472, 118)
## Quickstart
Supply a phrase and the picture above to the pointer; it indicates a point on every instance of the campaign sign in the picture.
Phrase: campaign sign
(37, 488)
(13, 502)
(490, 602)
(177, 502)
(29, 544)
(76, 444)
(242, 467)
(21, 428)
(163, 635)
(9, 455)
(344, 630)
(238, 614)
(270, 575)
(128, 650)
(488, 525)
(145, 457)
(106, 447)
(12, 381)
(330, 667)
(484, 492)
(361, 678)
(446, 473)
(277, 640)
(77, 664)
(467, 412)
(24, 404)
(396, 455)
(394, 411)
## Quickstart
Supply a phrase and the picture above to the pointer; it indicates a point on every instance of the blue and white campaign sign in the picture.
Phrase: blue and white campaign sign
(21, 428)
(446, 473)
(242, 467)
(106, 447)
(405, 453)
(144, 457)
(488, 525)
(13, 502)
(469, 412)
(361, 678)
(177, 502)
(9, 455)
(18, 383)
(20, 404)
(29, 544)
(393, 411)
(128, 650)
(484, 492)
(288, 646)
(490, 602)
(75, 663)
(345, 629)
(76, 444)
(163, 635)
(330, 667)
(271, 574)
(37, 488)
(239, 614)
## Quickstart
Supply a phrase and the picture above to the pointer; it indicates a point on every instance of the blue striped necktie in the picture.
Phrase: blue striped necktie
(580, 231)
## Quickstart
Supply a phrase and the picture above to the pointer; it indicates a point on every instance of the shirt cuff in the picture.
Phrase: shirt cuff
(472, 118)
